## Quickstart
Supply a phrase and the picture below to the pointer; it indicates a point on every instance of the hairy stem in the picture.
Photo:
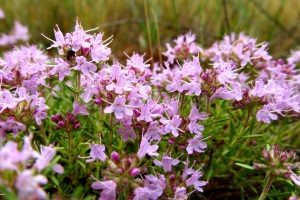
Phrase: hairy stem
(270, 177)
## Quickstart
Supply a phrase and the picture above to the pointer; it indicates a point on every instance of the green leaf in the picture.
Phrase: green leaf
(54, 180)
(245, 166)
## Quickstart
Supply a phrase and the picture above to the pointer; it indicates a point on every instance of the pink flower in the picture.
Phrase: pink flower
(167, 163)
(195, 182)
(20, 32)
(44, 159)
(180, 194)
(61, 68)
(97, 153)
(147, 148)
(100, 52)
(149, 111)
(10, 125)
(265, 114)
(127, 132)
(28, 185)
(119, 108)
(136, 62)
(7, 100)
(171, 125)
(153, 188)
(226, 72)
(154, 131)
(194, 127)
(79, 109)
(108, 189)
(195, 115)
(84, 66)
(229, 93)
(58, 169)
(196, 144)
(295, 178)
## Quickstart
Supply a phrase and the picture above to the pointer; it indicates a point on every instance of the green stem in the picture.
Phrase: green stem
(270, 177)
(110, 134)
(248, 117)
(70, 145)
(78, 86)
(207, 103)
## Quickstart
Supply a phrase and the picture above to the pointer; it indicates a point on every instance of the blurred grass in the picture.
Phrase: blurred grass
(275, 21)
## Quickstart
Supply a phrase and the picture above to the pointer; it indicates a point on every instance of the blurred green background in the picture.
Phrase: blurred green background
(275, 21)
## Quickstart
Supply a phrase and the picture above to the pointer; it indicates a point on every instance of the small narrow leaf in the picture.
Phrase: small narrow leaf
(245, 166)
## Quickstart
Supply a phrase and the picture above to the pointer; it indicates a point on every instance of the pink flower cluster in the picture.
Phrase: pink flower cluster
(19, 162)
(155, 108)
(18, 33)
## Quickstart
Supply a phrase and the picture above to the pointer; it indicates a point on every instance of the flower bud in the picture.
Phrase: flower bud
(60, 124)
(98, 101)
(77, 125)
(115, 156)
(134, 172)
(55, 118)
(259, 166)
(266, 154)
(171, 141)
(283, 157)
(172, 177)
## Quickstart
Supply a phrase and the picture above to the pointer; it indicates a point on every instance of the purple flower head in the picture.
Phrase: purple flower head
(58, 168)
(97, 153)
(100, 52)
(7, 100)
(192, 87)
(195, 115)
(196, 144)
(154, 131)
(185, 47)
(79, 109)
(61, 68)
(258, 89)
(108, 189)
(153, 188)
(226, 72)
(171, 125)
(136, 62)
(196, 128)
(295, 178)
(28, 185)
(9, 156)
(180, 194)
(229, 93)
(119, 108)
(10, 125)
(194, 181)
(266, 115)
(127, 132)
(148, 111)
(44, 159)
(167, 163)
(84, 66)
(147, 148)
(175, 85)
(192, 68)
